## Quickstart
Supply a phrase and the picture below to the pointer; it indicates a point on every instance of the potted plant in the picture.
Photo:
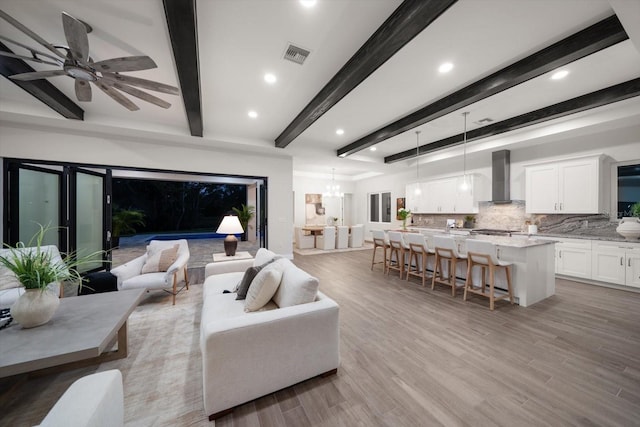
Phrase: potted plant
(245, 214)
(124, 221)
(403, 214)
(469, 220)
(629, 226)
(36, 268)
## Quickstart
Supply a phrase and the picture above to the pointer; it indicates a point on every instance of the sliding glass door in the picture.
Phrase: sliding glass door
(88, 201)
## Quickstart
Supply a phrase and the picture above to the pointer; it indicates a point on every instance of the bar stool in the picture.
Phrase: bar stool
(398, 250)
(483, 254)
(379, 241)
(418, 255)
(446, 252)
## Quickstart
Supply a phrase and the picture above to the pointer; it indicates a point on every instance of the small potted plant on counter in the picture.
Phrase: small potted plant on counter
(403, 214)
(469, 221)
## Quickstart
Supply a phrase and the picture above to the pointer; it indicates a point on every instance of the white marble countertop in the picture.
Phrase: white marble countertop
(514, 241)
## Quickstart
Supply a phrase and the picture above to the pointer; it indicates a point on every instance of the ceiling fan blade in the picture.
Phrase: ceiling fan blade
(127, 63)
(117, 96)
(142, 95)
(76, 35)
(147, 84)
(29, 48)
(38, 75)
(31, 34)
(28, 58)
(83, 90)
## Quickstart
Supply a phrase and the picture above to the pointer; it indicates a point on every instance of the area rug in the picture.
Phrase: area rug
(314, 251)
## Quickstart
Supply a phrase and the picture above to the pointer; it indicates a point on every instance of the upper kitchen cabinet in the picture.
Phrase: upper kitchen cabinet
(566, 187)
(445, 195)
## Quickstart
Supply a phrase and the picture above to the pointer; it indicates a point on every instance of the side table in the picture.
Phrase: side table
(221, 256)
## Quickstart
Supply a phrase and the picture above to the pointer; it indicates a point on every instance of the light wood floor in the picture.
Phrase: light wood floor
(409, 357)
(415, 357)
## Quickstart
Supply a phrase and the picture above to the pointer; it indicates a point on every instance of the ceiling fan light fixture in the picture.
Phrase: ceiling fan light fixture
(81, 74)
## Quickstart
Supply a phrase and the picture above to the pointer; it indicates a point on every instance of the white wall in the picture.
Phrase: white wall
(20, 142)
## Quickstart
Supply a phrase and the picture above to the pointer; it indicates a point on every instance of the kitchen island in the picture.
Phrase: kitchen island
(533, 271)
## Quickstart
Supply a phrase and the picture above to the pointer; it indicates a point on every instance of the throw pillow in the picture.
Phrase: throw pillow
(262, 289)
(296, 287)
(8, 280)
(250, 274)
(244, 284)
(160, 260)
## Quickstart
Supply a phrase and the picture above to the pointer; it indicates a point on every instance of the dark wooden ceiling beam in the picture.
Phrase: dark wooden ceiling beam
(406, 22)
(41, 89)
(591, 100)
(183, 31)
(601, 35)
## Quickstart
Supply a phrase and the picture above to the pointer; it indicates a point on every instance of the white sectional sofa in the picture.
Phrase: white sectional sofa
(246, 355)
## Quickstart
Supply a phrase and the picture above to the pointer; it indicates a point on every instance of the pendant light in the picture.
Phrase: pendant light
(464, 186)
(417, 190)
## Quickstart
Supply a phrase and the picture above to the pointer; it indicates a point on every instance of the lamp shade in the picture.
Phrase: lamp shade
(230, 225)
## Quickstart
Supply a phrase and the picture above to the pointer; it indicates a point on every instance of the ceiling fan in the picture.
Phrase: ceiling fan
(77, 64)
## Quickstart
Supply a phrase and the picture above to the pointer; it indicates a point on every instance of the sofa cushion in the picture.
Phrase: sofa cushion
(263, 287)
(160, 260)
(296, 287)
(218, 283)
(245, 282)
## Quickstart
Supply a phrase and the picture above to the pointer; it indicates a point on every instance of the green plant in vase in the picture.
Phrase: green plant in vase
(403, 214)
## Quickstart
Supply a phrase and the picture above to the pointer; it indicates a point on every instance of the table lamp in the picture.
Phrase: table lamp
(230, 225)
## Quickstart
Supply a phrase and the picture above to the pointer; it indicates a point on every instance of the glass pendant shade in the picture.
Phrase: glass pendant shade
(333, 189)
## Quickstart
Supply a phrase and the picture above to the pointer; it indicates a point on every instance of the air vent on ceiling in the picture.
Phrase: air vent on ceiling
(484, 121)
(296, 54)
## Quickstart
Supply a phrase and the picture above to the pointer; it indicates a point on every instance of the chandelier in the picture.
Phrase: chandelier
(333, 189)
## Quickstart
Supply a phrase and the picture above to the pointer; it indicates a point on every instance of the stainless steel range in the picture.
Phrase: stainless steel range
(493, 231)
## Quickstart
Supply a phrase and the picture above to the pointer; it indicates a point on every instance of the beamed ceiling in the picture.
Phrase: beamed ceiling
(372, 71)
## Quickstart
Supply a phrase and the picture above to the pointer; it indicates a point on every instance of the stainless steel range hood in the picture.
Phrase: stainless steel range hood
(501, 176)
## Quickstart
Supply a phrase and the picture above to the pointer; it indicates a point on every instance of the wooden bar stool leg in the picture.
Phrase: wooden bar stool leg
(436, 271)
(491, 285)
(452, 276)
(508, 271)
(469, 280)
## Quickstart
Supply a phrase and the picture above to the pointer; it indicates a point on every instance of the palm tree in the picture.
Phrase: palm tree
(245, 213)
(124, 221)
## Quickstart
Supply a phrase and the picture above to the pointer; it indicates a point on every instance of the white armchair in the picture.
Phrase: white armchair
(356, 238)
(304, 241)
(328, 239)
(130, 275)
(95, 400)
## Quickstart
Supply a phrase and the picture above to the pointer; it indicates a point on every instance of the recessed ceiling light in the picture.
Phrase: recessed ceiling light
(252, 114)
(343, 155)
(446, 67)
(270, 78)
(559, 75)
(373, 148)
(339, 131)
(308, 3)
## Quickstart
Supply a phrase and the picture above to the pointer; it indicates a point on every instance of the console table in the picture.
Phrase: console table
(80, 332)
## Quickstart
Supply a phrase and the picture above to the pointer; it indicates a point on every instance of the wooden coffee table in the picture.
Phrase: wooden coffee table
(77, 335)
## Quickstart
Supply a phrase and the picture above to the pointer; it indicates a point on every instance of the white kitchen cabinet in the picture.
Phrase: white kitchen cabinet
(633, 268)
(440, 195)
(413, 198)
(573, 258)
(567, 187)
(617, 263)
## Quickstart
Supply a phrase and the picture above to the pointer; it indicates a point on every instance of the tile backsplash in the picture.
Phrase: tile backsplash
(512, 216)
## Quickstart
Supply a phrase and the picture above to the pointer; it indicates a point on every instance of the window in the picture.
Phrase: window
(380, 207)
(628, 188)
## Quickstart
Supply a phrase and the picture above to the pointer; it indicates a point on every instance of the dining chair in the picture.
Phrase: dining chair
(342, 237)
(328, 238)
(356, 238)
(446, 261)
(483, 254)
(303, 240)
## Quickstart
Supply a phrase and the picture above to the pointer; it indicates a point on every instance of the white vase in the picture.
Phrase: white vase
(35, 307)
(629, 227)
